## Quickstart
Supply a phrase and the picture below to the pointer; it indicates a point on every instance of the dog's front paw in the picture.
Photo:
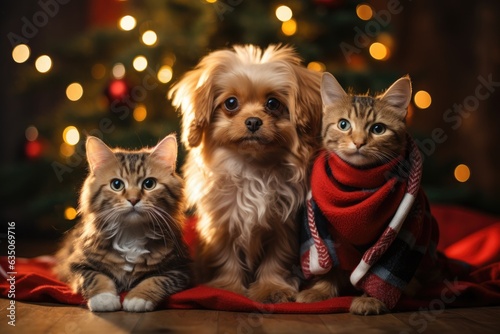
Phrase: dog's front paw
(136, 304)
(269, 293)
(367, 306)
(312, 295)
(104, 302)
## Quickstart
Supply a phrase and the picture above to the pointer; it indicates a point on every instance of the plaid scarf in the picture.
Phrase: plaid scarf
(374, 223)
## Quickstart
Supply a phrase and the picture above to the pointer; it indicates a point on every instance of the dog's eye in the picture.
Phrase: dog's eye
(231, 104)
(274, 106)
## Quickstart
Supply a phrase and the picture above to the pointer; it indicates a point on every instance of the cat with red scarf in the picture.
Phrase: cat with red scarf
(367, 223)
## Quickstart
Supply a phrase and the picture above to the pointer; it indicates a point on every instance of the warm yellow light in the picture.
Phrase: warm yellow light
(462, 173)
(149, 37)
(140, 63)
(70, 213)
(364, 11)
(140, 113)
(31, 133)
(43, 64)
(284, 13)
(98, 71)
(74, 91)
(211, 1)
(316, 66)
(127, 23)
(118, 71)
(289, 27)
(66, 150)
(21, 53)
(71, 135)
(165, 74)
(422, 99)
(378, 51)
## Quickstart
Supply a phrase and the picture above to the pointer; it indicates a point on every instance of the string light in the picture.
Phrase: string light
(422, 99)
(31, 133)
(118, 71)
(127, 23)
(284, 13)
(43, 64)
(364, 11)
(165, 74)
(316, 66)
(71, 135)
(149, 37)
(289, 27)
(74, 91)
(379, 51)
(20, 53)
(140, 113)
(140, 63)
(70, 213)
(462, 173)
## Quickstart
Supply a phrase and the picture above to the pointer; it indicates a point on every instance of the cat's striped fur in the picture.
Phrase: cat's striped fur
(129, 237)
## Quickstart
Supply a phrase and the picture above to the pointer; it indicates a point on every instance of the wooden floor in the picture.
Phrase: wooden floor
(51, 318)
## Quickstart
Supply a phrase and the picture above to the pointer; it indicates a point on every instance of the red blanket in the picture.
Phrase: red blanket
(465, 235)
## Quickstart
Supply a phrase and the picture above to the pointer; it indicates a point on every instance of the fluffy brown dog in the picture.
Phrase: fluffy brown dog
(250, 121)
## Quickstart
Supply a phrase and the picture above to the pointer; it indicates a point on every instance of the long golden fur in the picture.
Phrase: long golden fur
(251, 122)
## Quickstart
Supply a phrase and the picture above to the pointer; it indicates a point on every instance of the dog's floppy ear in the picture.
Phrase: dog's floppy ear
(194, 96)
(308, 105)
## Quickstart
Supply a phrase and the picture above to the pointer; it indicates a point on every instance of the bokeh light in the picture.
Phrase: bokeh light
(379, 51)
(140, 113)
(149, 37)
(70, 213)
(118, 71)
(289, 27)
(66, 150)
(165, 74)
(74, 91)
(462, 173)
(98, 71)
(20, 53)
(71, 135)
(31, 133)
(284, 13)
(140, 63)
(364, 11)
(422, 99)
(43, 64)
(127, 23)
(316, 66)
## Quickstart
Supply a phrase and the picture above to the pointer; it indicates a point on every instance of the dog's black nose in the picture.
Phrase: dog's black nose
(253, 123)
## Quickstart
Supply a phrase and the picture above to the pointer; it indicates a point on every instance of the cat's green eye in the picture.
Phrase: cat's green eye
(344, 125)
(149, 183)
(378, 129)
(117, 184)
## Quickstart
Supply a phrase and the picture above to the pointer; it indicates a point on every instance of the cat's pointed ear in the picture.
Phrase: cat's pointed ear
(331, 90)
(166, 151)
(399, 94)
(98, 153)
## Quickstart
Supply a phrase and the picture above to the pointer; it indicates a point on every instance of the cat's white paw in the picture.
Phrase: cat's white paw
(104, 302)
(136, 304)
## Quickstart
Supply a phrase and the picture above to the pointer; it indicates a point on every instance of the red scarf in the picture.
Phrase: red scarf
(358, 203)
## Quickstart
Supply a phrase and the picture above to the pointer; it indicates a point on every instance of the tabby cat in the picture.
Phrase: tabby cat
(364, 132)
(129, 237)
